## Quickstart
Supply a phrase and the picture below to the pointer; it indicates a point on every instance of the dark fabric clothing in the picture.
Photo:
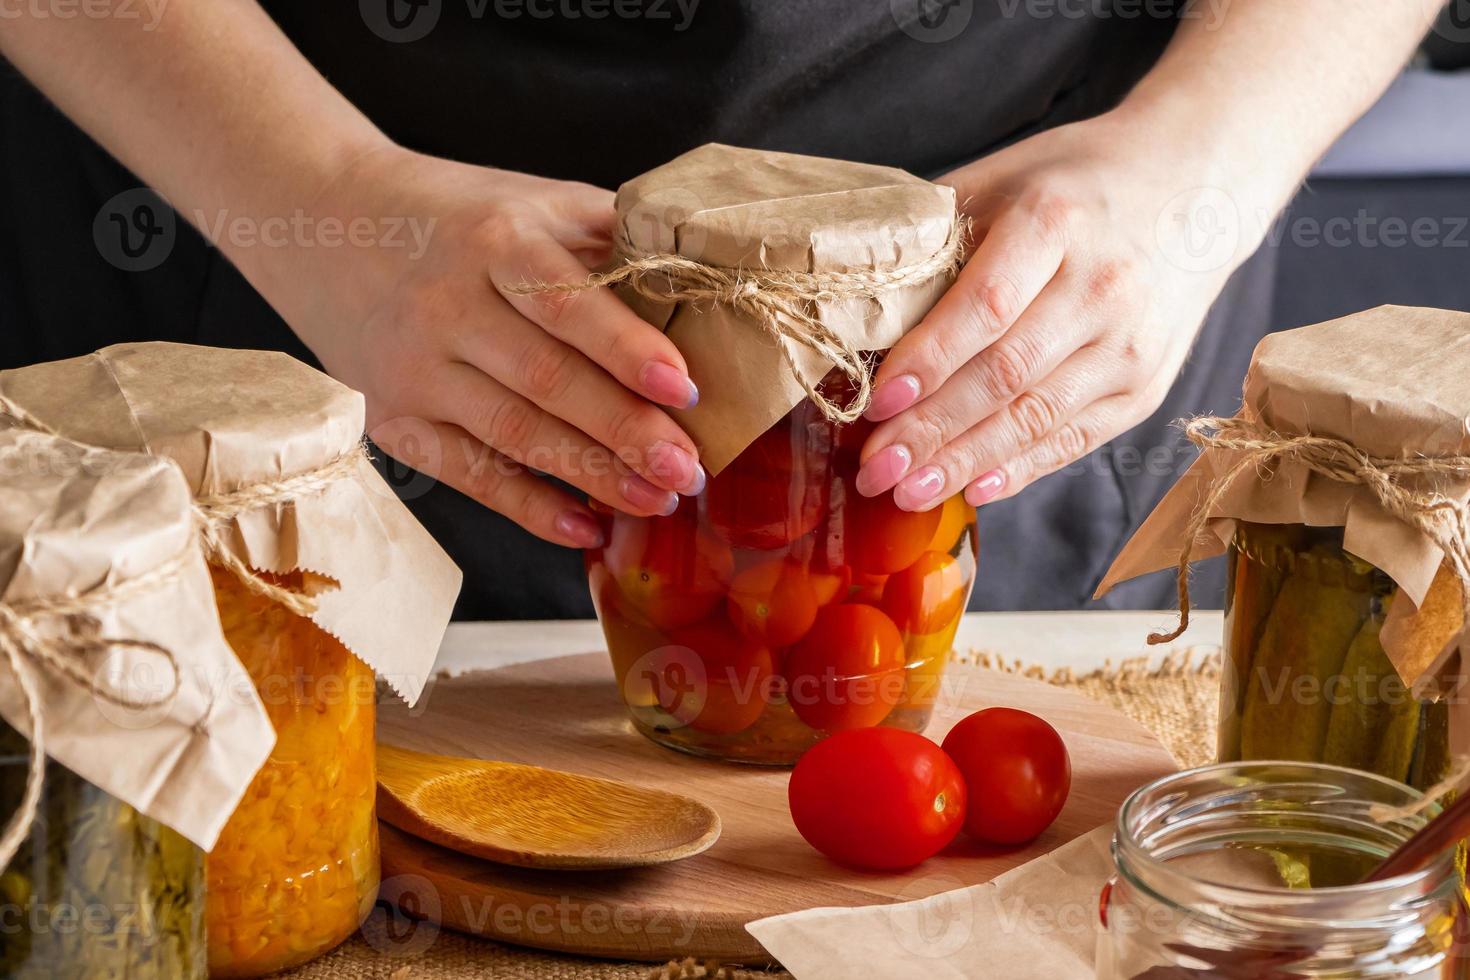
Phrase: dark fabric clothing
(577, 96)
(88, 258)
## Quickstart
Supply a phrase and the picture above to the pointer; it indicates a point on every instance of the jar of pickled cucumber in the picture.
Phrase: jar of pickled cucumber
(780, 605)
(97, 891)
(1307, 678)
(296, 868)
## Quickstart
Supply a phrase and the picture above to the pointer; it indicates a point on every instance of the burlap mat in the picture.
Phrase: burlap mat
(1176, 700)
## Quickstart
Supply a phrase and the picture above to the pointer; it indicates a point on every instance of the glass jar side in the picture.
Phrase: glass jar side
(1253, 869)
(1306, 677)
(296, 868)
(780, 604)
(97, 890)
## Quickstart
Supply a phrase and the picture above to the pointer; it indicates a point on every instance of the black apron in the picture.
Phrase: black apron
(601, 90)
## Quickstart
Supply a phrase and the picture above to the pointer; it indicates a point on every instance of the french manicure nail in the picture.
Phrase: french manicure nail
(667, 385)
(985, 489)
(676, 467)
(886, 468)
(892, 397)
(645, 496)
(579, 529)
(920, 489)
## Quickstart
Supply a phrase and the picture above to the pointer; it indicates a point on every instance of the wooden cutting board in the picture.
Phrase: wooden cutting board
(565, 714)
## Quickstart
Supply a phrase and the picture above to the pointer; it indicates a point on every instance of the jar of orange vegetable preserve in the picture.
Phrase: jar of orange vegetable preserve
(779, 604)
(321, 577)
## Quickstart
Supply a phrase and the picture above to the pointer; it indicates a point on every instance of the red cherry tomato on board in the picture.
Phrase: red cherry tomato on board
(711, 678)
(847, 672)
(878, 537)
(776, 490)
(1017, 772)
(877, 798)
(667, 570)
(773, 601)
(927, 596)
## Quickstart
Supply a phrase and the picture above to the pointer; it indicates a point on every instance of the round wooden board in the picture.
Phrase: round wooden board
(565, 714)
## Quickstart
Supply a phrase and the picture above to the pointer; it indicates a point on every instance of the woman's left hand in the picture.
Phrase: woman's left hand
(1099, 253)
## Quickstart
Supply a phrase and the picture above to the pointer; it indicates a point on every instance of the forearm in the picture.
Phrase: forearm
(1262, 88)
(210, 104)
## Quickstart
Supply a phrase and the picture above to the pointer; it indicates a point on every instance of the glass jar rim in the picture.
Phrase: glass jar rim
(1128, 851)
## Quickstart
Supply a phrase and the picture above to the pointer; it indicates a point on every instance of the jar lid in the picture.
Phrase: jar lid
(759, 250)
(280, 443)
(107, 606)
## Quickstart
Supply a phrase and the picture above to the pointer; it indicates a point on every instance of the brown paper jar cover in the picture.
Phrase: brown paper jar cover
(74, 520)
(233, 418)
(1392, 381)
(754, 209)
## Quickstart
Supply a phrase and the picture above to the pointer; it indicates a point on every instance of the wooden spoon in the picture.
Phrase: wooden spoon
(537, 818)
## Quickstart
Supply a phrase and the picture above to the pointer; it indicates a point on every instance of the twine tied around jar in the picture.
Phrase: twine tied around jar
(27, 637)
(1443, 520)
(781, 302)
(215, 511)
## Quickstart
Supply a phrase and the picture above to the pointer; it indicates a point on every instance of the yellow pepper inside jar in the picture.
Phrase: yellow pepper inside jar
(296, 868)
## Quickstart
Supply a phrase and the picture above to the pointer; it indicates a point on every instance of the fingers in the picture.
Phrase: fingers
(1003, 375)
(563, 382)
(1097, 424)
(1018, 257)
(518, 429)
(474, 469)
(1045, 413)
(593, 321)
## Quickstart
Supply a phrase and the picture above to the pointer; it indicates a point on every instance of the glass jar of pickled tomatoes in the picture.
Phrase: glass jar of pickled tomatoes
(780, 605)
(296, 869)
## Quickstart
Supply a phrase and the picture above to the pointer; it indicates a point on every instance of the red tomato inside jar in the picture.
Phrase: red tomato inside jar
(780, 605)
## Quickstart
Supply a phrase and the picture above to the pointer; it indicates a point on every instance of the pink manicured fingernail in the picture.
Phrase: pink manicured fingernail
(579, 529)
(676, 467)
(892, 397)
(885, 469)
(645, 496)
(920, 489)
(667, 385)
(985, 489)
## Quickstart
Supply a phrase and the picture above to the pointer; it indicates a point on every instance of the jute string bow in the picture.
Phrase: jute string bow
(61, 637)
(1394, 481)
(215, 512)
(782, 303)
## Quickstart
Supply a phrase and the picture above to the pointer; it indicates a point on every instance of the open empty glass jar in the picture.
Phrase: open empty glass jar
(780, 605)
(1252, 870)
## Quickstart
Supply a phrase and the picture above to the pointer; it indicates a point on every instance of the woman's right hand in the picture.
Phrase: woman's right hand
(498, 384)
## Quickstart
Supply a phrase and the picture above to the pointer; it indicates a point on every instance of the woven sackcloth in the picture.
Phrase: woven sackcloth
(1175, 699)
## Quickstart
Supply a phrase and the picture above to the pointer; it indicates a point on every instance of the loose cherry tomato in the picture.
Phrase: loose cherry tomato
(773, 601)
(711, 678)
(847, 672)
(878, 537)
(1017, 772)
(776, 490)
(927, 596)
(877, 798)
(668, 571)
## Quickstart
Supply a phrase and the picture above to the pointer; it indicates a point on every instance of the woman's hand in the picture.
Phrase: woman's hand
(1066, 327)
(471, 382)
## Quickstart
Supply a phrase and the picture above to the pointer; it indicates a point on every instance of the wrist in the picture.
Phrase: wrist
(1228, 144)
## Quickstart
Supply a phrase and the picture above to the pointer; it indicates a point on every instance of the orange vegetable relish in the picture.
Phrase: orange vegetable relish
(296, 868)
